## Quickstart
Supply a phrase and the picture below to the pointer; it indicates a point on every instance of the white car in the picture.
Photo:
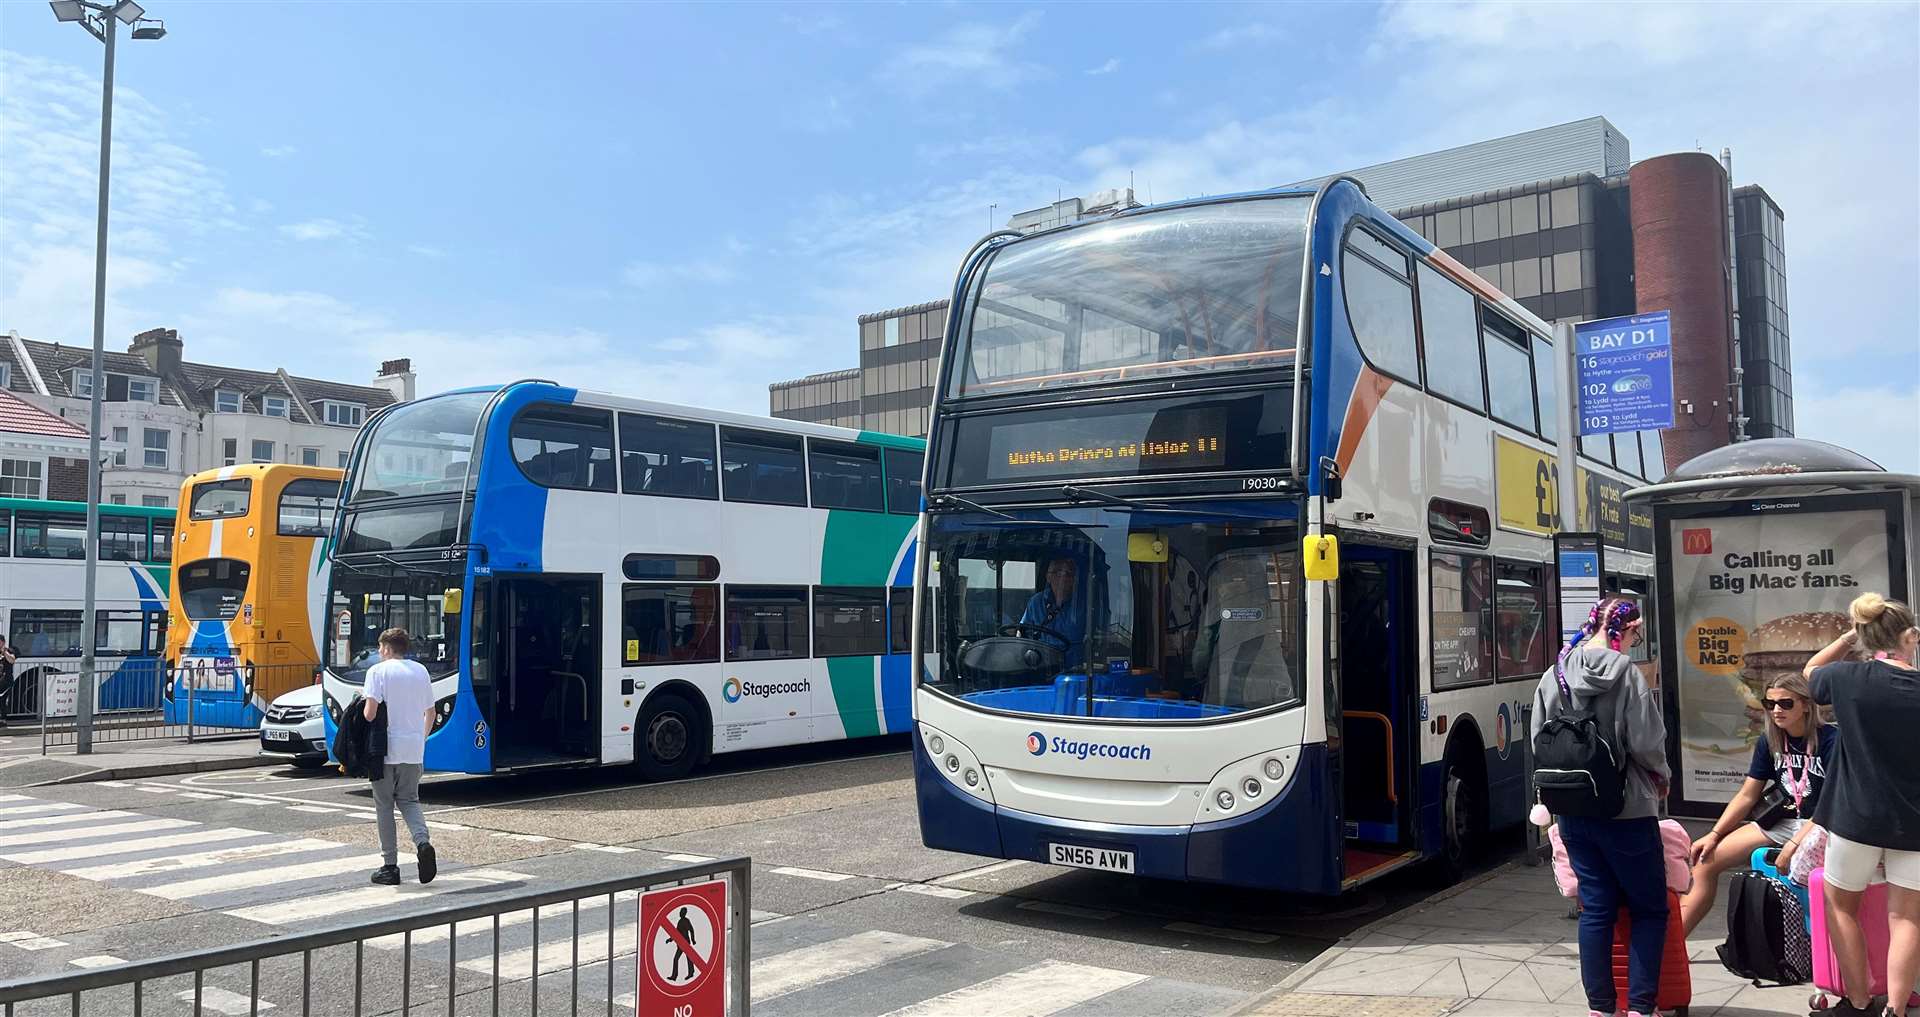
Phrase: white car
(296, 726)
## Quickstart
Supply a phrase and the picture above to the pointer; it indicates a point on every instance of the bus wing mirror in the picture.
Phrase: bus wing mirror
(1321, 553)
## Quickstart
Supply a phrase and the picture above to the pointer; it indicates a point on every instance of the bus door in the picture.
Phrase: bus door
(546, 703)
(1377, 670)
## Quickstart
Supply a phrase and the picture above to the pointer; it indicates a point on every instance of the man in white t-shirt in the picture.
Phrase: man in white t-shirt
(407, 690)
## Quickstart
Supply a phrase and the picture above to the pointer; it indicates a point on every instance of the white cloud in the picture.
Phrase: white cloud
(326, 229)
(976, 53)
(651, 274)
(1879, 422)
(1112, 64)
(278, 151)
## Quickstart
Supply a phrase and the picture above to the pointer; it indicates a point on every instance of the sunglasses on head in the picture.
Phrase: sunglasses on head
(1779, 704)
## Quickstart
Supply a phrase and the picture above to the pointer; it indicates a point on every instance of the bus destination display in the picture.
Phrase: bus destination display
(1173, 440)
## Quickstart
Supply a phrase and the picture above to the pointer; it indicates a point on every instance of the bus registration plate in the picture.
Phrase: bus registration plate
(1104, 859)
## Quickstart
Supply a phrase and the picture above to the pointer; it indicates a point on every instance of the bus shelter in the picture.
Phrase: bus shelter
(1759, 548)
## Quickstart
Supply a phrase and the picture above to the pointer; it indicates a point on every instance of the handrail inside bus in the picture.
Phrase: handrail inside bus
(1386, 722)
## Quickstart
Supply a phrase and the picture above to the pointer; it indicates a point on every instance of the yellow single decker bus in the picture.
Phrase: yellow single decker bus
(249, 585)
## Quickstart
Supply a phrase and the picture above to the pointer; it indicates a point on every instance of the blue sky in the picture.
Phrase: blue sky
(690, 202)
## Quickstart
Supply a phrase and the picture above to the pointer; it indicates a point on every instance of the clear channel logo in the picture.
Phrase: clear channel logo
(1039, 744)
(735, 690)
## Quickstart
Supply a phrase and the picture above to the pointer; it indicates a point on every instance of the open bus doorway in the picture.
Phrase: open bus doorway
(1377, 671)
(546, 706)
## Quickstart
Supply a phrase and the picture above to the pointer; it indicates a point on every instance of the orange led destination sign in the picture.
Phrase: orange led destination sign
(1184, 439)
(1146, 452)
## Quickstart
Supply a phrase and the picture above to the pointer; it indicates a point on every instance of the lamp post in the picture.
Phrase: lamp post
(102, 21)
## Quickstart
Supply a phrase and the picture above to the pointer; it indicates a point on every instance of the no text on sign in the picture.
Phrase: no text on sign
(683, 951)
(1624, 372)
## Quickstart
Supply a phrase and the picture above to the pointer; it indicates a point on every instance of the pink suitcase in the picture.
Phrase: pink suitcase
(1873, 924)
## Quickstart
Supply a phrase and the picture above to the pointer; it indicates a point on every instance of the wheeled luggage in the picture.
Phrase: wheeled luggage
(1675, 993)
(1873, 927)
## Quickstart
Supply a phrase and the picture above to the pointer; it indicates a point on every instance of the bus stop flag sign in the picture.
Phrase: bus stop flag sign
(1624, 368)
(683, 951)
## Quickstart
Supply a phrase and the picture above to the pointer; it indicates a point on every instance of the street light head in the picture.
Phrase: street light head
(150, 28)
(68, 10)
(128, 12)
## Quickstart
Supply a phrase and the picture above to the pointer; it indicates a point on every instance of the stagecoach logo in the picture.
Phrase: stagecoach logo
(1040, 745)
(1037, 744)
(735, 690)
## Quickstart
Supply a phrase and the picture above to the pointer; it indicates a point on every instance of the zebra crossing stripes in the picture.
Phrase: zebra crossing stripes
(313, 908)
(49, 836)
(1045, 988)
(166, 864)
(104, 849)
(808, 966)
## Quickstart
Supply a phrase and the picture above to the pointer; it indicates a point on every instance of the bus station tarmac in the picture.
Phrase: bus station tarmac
(851, 915)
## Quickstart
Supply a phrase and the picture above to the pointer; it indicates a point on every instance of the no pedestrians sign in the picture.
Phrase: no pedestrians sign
(683, 951)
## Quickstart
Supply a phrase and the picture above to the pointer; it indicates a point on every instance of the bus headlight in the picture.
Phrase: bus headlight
(1246, 786)
(936, 745)
(1274, 769)
(953, 764)
(442, 712)
(1224, 800)
(1250, 787)
(973, 777)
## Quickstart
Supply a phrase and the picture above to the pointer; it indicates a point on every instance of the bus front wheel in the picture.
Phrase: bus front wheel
(1464, 817)
(667, 740)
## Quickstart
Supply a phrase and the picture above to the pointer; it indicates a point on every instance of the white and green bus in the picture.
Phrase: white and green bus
(594, 580)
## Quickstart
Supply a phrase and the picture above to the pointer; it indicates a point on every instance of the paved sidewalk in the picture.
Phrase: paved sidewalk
(1501, 945)
(22, 765)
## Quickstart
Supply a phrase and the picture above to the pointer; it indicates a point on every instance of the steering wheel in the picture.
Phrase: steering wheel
(1029, 630)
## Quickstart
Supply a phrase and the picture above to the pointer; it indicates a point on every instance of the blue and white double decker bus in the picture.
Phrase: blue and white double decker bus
(594, 580)
(1139, 419)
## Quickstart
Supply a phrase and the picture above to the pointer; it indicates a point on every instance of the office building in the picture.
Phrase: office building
(1559, 219)
(164, 417)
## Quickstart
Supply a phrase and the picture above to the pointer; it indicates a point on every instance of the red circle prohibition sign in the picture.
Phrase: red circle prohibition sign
(702, 969)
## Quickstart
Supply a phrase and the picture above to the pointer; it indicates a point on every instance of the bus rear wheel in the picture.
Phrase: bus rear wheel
(1464, 820)
(667, 739)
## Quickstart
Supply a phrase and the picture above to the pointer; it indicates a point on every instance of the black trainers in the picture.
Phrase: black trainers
(1843, 1007)
(423, 853)
(387, 875)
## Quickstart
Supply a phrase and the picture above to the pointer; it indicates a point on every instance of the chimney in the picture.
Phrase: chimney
(161, 347)
(396, 376)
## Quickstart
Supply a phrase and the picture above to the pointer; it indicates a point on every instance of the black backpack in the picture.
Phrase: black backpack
(1574, 771)
(1766, 931)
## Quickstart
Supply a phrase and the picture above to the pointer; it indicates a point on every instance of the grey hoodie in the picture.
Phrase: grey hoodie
(1623, 705)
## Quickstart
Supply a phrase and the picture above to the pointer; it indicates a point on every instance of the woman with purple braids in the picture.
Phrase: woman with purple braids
(1619, 861)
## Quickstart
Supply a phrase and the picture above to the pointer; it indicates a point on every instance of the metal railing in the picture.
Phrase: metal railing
(138, 699)
(370, 967)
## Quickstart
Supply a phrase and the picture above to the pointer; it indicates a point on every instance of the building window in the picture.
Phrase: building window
(116, 499)
(143, 390)
(892, 332)
(81, 384)
(120, 454)
(229, 451)
(766, 622)
(226, 402)
(344, 414)
(674, 458)
(262, 451)
(274, 406)
(669, 624)
(846, 476)
(154, 500)
(155, 442)
(849, 621)
(903, 481)
(309, 456)
(21, 478)
(6, 375)
(762, 466)
(344, 456)
(567, 447)
(1462, 620)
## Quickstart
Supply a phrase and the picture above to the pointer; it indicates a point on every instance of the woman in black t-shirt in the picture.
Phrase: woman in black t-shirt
(1794, 725)
(1871, 809)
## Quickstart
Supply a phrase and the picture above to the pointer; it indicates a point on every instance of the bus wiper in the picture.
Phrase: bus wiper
(954, 499)
(1072, 493)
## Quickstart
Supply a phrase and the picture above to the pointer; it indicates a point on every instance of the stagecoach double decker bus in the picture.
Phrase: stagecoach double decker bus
(594, 580)
(1122, 664)
(250, 569)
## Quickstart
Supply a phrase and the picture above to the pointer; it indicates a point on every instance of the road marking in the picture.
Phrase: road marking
(11, 811)
(202, 796)
(765, 917)
(438, 933)
(252, 801)
(317, 809)
(77, 818)
(115, 783)
(27, 939)
(175, 863)
(928, 890)
(432, 825)
(687, 859)
(226, 1001)
(1069, 910)
(557, 954)
(984, 870)
(794, 970)
(17, 798)
(98, 960)
(74, 852)
(1217, 932)
(268, 876)
(110, 830)
(831, 877)
(612, 849)
(1045, 988)
(150, 789)
(305, 909)
(666, 783)
(530, 838)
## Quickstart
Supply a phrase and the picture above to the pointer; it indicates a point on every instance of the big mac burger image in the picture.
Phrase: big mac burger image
(1782, 647)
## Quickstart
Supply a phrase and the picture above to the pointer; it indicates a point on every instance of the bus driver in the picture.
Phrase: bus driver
(1056, 609)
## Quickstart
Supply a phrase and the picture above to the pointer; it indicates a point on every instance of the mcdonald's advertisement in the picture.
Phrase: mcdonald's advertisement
(1755, 596)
